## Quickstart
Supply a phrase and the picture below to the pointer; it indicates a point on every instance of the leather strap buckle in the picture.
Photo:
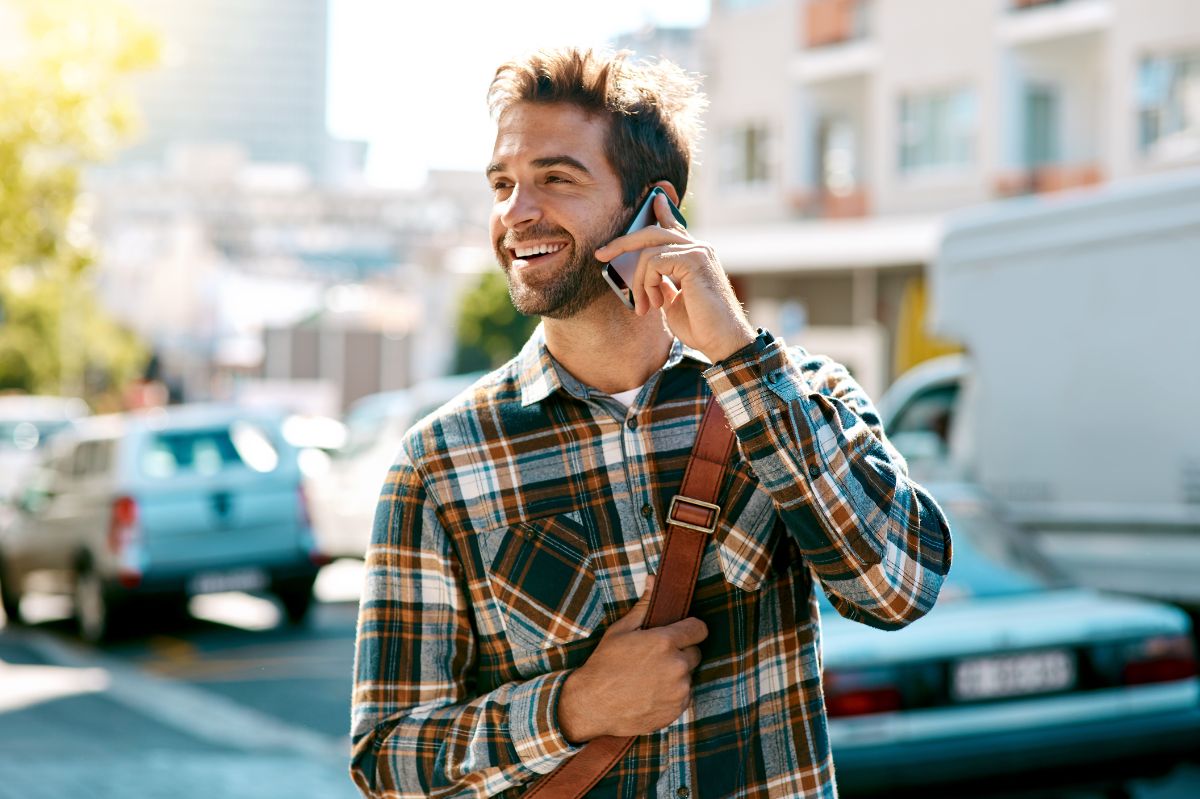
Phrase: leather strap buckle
(707, 506)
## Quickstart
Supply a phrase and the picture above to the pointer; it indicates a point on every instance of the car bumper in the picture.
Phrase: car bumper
(1085, 750)
(228, 577)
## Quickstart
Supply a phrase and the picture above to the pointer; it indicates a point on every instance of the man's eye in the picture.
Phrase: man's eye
(556, 179)
(501, 185)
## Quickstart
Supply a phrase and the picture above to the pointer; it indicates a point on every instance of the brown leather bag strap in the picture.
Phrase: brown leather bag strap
(691, 518)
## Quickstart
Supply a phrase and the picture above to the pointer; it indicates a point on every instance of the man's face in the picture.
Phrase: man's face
(556, 200)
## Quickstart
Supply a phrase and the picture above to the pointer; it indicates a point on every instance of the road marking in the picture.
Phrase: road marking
(253, 668)
(23, 686)
(192, 710)
(173, 649)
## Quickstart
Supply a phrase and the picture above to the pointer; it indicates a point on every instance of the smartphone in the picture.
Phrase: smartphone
(619, 273)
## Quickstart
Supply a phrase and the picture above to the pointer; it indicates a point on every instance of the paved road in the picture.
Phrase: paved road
(230, 704)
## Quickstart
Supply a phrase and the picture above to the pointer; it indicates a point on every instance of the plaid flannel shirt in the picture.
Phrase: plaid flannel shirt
(522, 519)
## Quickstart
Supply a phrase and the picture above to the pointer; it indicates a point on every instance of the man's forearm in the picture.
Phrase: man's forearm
(874, 538)
(495, 741)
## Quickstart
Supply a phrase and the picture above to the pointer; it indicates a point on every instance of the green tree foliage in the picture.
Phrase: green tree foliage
(63, 105)
(490, 330)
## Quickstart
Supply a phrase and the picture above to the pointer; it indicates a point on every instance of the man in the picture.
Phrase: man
(500, 625)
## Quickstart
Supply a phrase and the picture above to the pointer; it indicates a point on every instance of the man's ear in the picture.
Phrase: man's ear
(669, 188)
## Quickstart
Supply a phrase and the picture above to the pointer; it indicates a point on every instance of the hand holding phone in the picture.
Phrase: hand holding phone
(620, 271)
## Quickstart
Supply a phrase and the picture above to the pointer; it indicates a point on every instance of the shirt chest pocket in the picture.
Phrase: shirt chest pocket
(746, 534)
(544, 584)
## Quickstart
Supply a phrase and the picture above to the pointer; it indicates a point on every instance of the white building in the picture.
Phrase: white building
(250, 72)
(841, 131)
(678, 45)
(213, 260)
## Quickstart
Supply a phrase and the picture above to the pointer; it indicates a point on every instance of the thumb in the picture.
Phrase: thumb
(633, 618)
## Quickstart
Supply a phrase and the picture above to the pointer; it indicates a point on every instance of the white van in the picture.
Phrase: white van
(344, 494)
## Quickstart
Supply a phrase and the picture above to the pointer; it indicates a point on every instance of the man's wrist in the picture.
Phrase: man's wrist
(572, 714)
(733, 343)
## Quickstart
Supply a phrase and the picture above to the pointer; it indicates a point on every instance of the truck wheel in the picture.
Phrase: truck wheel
(10, 598)
(297, 599)
(96, 614)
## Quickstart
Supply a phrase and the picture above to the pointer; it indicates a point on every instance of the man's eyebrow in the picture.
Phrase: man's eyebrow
(543, 163)
(560, 160)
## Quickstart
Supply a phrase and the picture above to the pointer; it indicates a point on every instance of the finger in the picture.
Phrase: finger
(670, 292)
(652, 236)
(692, 656)
(662, 211)
(633, 618)
(651, 277)
(660, 273)
(642, 280)
(687, 632)
(654, 295)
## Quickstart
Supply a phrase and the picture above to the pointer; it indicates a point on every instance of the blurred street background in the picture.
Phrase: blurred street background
(243, 247)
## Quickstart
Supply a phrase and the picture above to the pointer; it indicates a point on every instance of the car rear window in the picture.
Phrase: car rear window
(242, 445)
(27, 435)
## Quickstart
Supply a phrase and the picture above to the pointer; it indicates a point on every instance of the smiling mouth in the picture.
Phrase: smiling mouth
(534, 253)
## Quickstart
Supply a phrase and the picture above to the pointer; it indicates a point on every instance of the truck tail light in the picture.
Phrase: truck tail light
(122, 528)
(123, 537)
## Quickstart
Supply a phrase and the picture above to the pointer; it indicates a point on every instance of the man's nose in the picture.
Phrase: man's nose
(521, 209)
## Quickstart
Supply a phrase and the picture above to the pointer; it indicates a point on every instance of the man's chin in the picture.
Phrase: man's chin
(538, 304)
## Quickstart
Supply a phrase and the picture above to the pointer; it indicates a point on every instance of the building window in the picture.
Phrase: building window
(744, 156)
(1169, 105)
(1041, 135)
(837, 164)
(741, 5)
(937, 130)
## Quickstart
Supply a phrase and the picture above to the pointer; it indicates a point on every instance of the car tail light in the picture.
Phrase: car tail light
(861, 692)
(315, 555)
(1160, 659)
(302, 512)
(122, 529)
(123, 537)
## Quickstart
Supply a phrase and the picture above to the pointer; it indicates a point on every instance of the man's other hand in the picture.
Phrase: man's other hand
(636, 681)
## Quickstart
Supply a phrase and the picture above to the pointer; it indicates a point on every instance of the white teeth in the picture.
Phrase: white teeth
(537, 249)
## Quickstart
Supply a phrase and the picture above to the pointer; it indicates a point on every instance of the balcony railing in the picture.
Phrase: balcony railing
(826, 204)
(1023, 4)
(1048, 179)
(845, 205)
(829, 22)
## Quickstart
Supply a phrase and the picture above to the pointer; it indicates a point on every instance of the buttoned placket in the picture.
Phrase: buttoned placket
(633, 455)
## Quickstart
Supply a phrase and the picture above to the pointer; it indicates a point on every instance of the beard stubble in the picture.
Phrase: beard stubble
(568, 291)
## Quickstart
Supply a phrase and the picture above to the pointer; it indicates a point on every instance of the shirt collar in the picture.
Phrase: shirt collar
(538, 374)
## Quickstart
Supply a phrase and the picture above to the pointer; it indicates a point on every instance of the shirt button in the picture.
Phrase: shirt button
(647, 510)
(631, 424)
(682, 792)
(773, 376)
(814, 472)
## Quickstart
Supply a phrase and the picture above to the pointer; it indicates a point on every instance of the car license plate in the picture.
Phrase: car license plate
(237, 580)
(1013, 675)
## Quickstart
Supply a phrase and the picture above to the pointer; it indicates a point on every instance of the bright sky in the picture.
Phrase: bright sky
(411, 77)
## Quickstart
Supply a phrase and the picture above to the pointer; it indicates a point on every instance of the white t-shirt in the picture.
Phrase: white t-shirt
(626, 398)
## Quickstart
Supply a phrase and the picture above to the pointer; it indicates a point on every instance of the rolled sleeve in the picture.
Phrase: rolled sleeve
(876, 540)
(753, 380)
(533, 723)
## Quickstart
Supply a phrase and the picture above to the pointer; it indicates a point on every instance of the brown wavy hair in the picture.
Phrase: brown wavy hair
(653, 108)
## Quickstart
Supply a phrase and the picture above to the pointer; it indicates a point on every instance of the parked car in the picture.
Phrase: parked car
(920, 412)
(1014, 675)
(345, 494)
(26, 424)
(157, 506)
